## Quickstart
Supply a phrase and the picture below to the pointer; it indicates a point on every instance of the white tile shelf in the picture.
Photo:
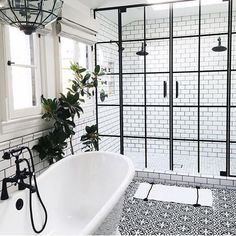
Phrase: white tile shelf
(172, 177)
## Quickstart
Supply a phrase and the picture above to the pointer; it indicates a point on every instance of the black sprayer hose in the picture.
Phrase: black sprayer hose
(39, 197)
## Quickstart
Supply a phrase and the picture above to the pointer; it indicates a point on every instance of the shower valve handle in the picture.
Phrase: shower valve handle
(177, 89)
(164, 89)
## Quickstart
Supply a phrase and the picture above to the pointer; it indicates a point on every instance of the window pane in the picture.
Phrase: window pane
(185, 54)
(158, 154)
(72, 51)
(133, 23)
(157, 21)
(211, 60)
(212, 158)
(21, 47)
(23, 84)
(108, 90)
(185, 156)
(134, 121)
(134, 148)
(184, 22)
(109, 120)
(109, 144)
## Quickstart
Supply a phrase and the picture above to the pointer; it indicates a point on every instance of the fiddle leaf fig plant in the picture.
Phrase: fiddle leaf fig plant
(63, 111)
(90, 139)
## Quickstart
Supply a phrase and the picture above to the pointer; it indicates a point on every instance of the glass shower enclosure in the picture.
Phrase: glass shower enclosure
(167, 99)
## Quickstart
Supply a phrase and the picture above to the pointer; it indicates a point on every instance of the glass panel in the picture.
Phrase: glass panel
(109, 144)
(108, 21)
(134, 121)
(132, 63)
(211, 60)
(234, 50)
(185, 123)
(108, 57)
(133, 23)
(213, 89)
(185, 156)
(185, 54)
(212, 158)
(72, 52)
(214, 17)
(186, 88)
(108, 90)
(186, 18)
(135, 150)
(157, 89)
(109, 120)
(158, 154)
(158, 57)
(157, 21)
(24, 54)
(213, 123)
(233, 124)
(23, 79)
(133, 89)
(158, 122)
(233, 159)
(233, 88)
(234, 17)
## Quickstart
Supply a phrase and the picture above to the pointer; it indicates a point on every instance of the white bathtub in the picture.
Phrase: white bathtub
(82, 195)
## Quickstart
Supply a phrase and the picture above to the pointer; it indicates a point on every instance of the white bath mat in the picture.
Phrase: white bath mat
(176, 194)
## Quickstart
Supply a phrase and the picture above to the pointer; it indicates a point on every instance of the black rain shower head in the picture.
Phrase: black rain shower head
(219, 48)
(143, 51)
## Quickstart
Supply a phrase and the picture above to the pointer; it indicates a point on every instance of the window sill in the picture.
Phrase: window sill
(20, 127)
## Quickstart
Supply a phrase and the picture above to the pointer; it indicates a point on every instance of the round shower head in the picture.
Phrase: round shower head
(142, 52)
(219, 48)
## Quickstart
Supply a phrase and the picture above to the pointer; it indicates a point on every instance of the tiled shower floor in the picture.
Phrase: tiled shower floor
(162, 218)
(185, 164)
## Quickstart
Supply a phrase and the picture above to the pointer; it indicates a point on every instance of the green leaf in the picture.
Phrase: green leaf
(97, 69)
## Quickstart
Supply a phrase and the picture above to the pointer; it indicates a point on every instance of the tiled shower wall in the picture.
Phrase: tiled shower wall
(7, 167)
(213, 88)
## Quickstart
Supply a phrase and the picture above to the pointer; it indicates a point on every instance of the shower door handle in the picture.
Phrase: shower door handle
(164, 89)
(177, 89)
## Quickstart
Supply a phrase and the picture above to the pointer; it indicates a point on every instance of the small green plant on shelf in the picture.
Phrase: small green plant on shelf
(90, 139)
(63, 111)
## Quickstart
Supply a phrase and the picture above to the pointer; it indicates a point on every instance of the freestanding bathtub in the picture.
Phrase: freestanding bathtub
(82, 193)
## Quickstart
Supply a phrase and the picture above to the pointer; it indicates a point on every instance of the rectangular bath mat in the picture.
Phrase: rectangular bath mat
(165, 193)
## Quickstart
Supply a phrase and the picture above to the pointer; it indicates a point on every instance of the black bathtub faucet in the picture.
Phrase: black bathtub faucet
(20, 175)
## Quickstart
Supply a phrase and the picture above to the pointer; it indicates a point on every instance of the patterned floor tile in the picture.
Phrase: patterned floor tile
(162, 218)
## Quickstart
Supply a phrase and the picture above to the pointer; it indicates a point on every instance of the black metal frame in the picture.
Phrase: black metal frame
(171, 73)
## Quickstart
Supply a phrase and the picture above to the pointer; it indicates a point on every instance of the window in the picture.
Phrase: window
(73, 51)
(23, 78)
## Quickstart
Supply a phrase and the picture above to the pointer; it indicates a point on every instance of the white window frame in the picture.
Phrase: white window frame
(25, 112)
(30, 122)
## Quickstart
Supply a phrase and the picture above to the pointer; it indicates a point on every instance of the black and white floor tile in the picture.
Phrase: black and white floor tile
(161, 218)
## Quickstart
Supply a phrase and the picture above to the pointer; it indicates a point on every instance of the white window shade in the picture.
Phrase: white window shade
(77, 25)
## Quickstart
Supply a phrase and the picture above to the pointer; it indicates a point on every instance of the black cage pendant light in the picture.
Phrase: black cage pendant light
(29, 15)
